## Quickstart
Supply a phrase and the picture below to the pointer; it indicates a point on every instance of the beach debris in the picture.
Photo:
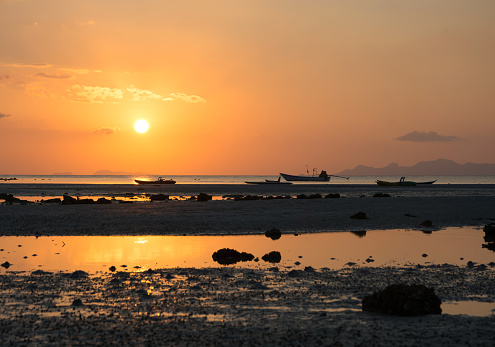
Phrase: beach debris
(103, 201)
(381, 195)
(159, 197)
(359, 215)
(6, 265)
(426, 223)
(272, 257)
(227, 256)
(403, 300)
(332, 196)
(77, 302)
(273, 233)
(204, 197)
(78, 274)
(359, 233)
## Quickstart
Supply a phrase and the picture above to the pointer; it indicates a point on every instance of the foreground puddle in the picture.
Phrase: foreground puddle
(469, 308)
(457, 246)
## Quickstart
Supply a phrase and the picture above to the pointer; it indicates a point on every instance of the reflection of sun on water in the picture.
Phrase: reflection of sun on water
(141, 126)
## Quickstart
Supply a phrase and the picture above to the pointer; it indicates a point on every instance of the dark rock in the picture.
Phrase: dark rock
(227, 256)
(78, 274)
(359, 233)
(489, 228)
(52, 201)
(309, 269)
(204, 197)
(312, 196)
(381, 195)
(77, 302)
(159, 197)
(248, 198)
(112, 268)
(103, 201)
(295, 273)
(272, 257)
(273, 233)
(359, 215)
(424, 255)
(410, 215)
(6, 265)
(427, 223)
(403, 300)
(332, 196)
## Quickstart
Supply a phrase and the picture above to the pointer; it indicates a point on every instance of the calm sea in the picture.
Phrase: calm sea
(229, 179)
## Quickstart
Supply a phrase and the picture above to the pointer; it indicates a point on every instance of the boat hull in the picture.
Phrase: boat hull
(396, 184)
(155, 182)
(305, 178)
(267, 182)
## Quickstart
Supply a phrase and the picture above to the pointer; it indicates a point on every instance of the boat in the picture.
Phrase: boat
(158, 181)
(322, 177)
(402, 183)
(268, 182)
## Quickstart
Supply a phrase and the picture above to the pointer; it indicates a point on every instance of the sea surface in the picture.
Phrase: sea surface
(231, 179)
(38, 187)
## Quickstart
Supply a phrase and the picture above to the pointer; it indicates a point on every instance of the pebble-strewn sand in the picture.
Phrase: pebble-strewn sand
(235, 307)
(244, 217)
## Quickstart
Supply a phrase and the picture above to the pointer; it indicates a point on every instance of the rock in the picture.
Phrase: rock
(159, 197)
(332, 196)
(204, 197)
(272, 257)
(273, 233)
(6, 265)
(77, 302)
(403, 300)
(427, 223)
(489, 228)
(103, 201)
(52, 201)
(112, 268)
(309, 269)
(381, 195)
(359, 233)
(78, 274)
(424, 255)
(227, 256)
(359, 215)
(410, 215)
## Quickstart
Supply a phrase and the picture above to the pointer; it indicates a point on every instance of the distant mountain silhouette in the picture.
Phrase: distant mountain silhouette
(440, 167)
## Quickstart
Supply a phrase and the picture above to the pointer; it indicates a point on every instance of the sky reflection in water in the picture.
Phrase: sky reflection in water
(333, 250)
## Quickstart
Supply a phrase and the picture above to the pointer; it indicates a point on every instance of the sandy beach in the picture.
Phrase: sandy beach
(232, 306)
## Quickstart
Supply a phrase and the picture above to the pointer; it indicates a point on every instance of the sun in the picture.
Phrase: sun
(141, 126)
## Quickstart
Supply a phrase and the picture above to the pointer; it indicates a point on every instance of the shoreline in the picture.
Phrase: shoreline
(245, 217)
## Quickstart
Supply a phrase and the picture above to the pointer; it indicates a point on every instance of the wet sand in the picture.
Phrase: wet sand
(245, 217)
(232, 306)
(236, 307)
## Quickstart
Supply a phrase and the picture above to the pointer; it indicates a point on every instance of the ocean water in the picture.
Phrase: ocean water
(230, 179)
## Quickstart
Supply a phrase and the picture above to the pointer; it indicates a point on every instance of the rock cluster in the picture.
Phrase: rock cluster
(227, 256)
(403, 300)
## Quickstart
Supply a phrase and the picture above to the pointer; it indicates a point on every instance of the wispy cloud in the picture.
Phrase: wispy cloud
(78, 71)
(184, 97)
(94, 94)
(422, 136)
(89, 22)
(3, 115)
(142, 94)
(35, 66)
(49, 75)
(106, 131)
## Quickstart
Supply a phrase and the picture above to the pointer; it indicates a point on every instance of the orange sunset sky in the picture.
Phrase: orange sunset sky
(244, 87)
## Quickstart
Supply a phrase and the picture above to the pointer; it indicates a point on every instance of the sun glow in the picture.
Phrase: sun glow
(141, 126)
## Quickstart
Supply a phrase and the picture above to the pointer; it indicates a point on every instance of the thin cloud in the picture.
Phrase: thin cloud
(48, 75)
(78, 71)
(422, 136)
(3, 115)
(35, 66)
(142, 94)
(184, 97)
(106, 131)
(82, 24)
(94, 94)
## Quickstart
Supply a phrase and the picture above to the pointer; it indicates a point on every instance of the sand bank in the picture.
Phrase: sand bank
(236, 307)
(245, 217)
